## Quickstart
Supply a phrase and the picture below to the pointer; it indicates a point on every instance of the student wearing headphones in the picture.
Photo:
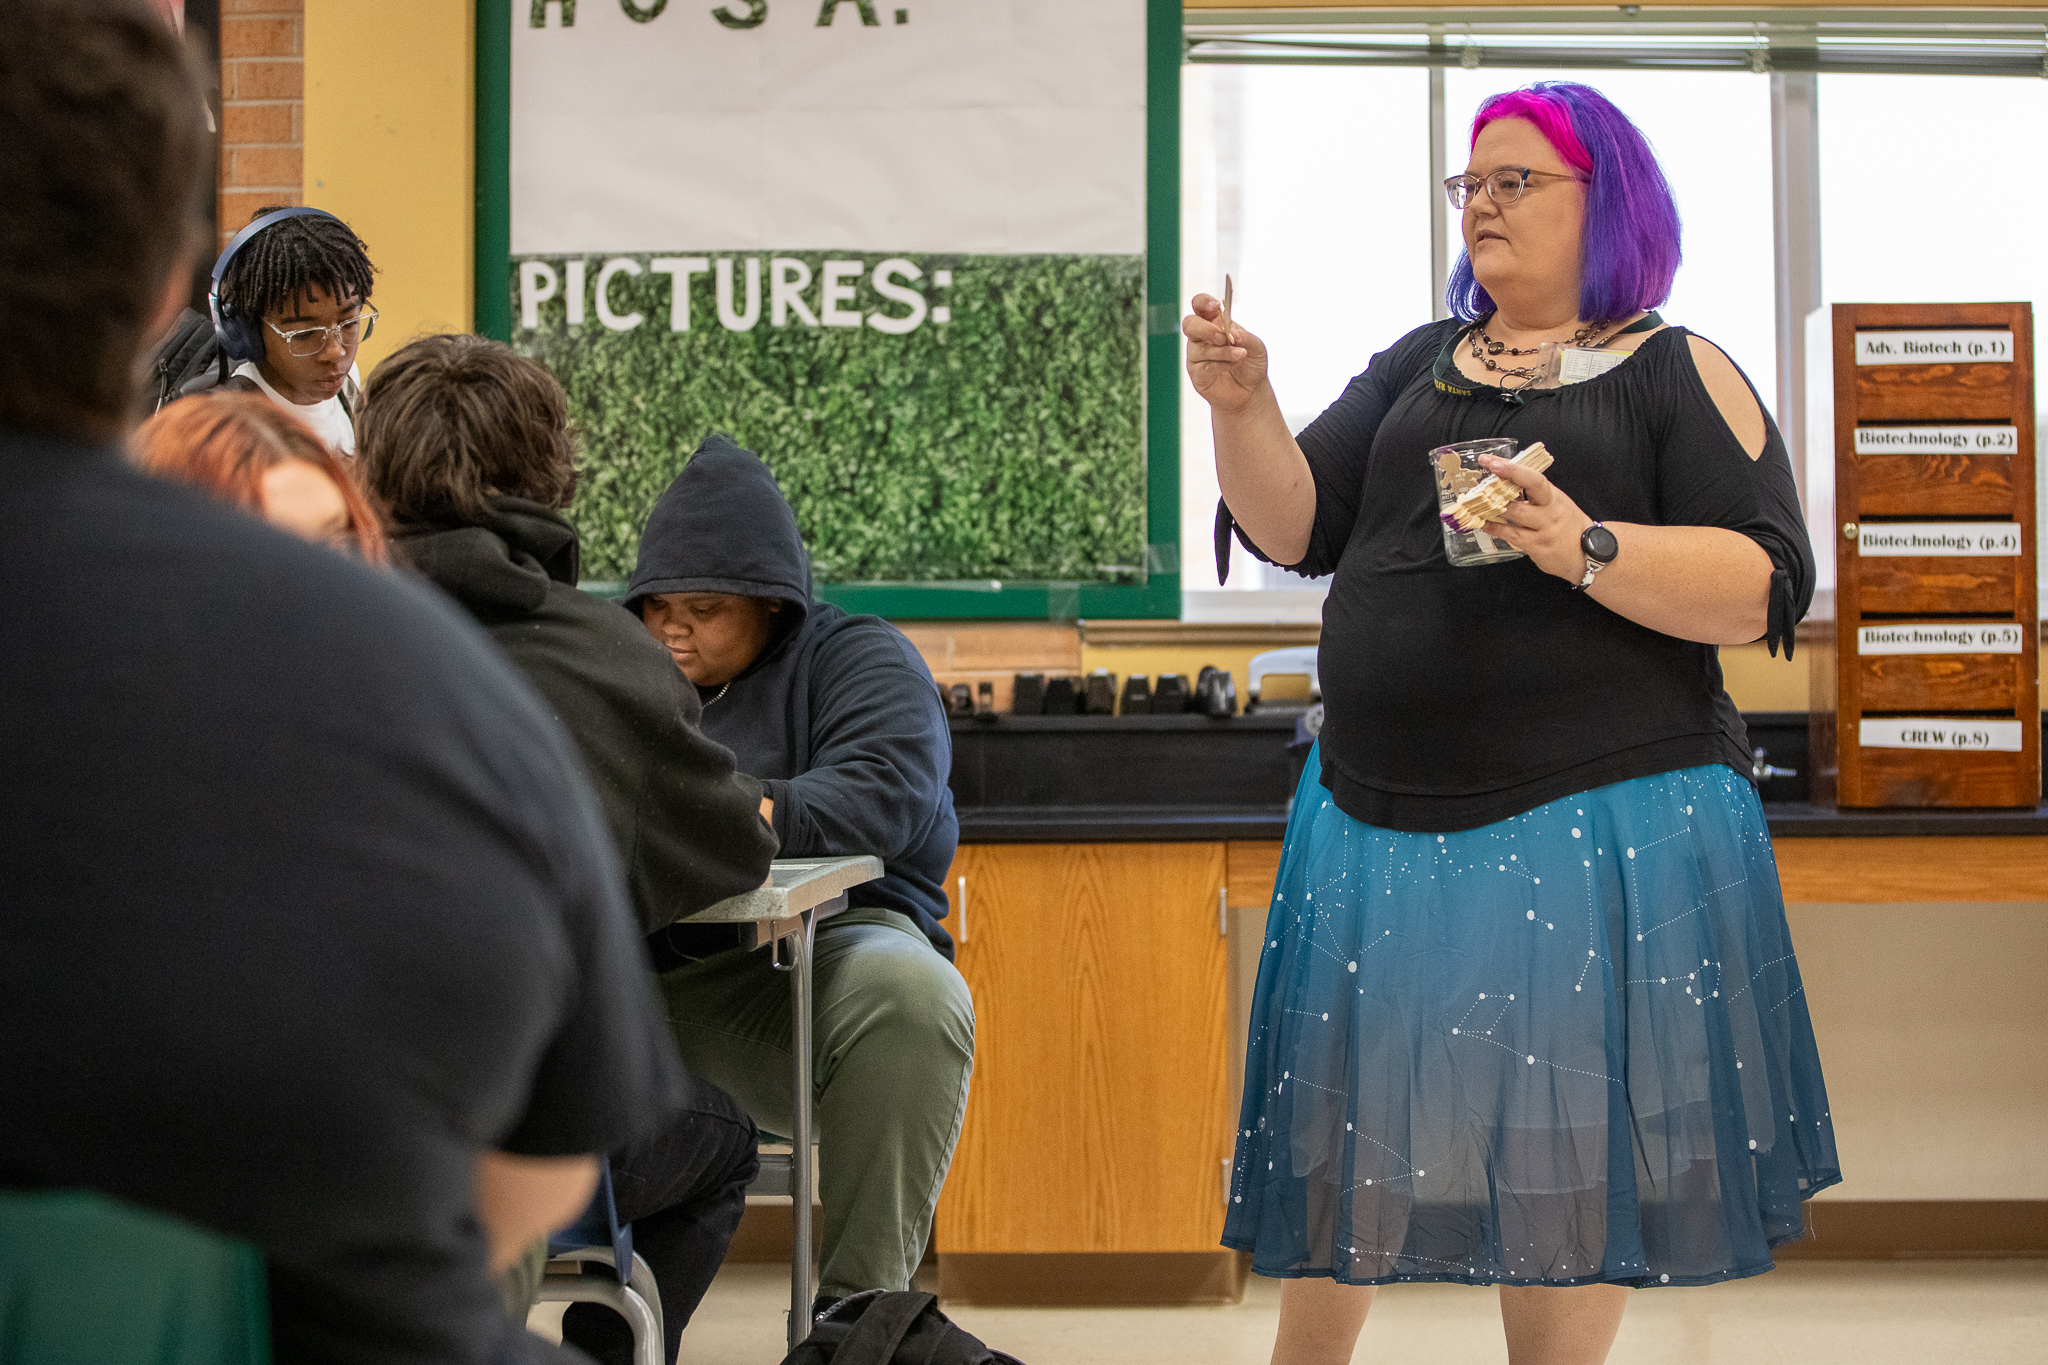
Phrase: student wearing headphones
(291, 302)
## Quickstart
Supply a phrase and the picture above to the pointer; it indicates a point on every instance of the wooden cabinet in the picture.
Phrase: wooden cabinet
(1928, 694)
(1098, 1120)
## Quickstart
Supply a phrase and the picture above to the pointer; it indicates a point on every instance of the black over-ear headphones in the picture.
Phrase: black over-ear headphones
(242, 338)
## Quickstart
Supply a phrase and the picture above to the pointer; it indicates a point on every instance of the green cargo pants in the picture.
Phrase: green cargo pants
(893, 1044)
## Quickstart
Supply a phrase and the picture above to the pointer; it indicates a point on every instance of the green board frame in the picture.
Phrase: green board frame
(1158, 597)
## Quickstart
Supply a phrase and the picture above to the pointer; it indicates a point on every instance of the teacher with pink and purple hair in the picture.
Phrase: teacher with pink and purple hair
(1528, 1013)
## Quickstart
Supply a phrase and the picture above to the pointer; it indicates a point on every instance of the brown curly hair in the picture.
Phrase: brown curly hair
(448, 421)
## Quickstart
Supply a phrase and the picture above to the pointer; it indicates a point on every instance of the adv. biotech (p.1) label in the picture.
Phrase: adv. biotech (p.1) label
(1978, 538)
(1934, 348)
(1959, 736)
(1943, 637)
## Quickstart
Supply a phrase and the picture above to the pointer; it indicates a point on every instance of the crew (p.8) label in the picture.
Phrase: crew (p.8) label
(1977, 538)
(1957, 736)
(1969, 637)
(1934, 348)
(1985, 440)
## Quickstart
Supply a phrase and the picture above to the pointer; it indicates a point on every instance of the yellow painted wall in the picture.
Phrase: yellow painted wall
(390, 148)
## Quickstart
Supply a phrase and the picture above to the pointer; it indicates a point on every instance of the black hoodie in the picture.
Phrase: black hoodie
(687, 825)
(839, 715)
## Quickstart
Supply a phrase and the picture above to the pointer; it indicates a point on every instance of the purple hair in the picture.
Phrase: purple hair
(1630, 252)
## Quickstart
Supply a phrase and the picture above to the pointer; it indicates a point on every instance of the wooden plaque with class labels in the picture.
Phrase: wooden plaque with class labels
(1930, 694)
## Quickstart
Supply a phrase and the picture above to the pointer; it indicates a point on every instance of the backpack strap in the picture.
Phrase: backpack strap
(874, 1339)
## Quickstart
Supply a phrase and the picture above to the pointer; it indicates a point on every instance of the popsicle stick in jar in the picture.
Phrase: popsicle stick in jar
(1486, 502)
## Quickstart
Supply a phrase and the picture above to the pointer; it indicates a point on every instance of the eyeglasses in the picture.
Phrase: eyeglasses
(1503, 186)
(313, 340)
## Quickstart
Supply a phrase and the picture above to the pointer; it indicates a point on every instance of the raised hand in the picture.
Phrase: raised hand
(1228, 376)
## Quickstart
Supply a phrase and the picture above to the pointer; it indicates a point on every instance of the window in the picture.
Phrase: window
(1926, 197)
(1712, 135)
(1310, 187)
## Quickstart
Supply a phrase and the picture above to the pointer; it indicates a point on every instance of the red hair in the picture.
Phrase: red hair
(224, 442)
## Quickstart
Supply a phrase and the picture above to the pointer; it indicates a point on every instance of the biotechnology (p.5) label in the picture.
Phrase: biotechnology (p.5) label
(1934, 348)
(1941, 638)
(1942, 440)
(1961, 736)
(1978, 538)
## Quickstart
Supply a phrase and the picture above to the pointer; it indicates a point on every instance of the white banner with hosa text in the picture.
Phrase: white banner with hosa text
(896, 247)
(973, 126)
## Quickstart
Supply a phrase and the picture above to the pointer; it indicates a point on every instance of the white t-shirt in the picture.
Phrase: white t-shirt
(328, 419)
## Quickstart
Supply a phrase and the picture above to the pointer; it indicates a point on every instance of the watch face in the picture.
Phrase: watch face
(1599, 543)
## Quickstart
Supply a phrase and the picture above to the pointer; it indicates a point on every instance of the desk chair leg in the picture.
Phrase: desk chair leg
(802, 1286)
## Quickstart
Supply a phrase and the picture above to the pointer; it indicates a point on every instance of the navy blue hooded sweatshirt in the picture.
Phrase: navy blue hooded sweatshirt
(839, 717)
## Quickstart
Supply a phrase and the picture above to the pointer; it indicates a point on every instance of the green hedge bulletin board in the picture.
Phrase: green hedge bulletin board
(1010, 450)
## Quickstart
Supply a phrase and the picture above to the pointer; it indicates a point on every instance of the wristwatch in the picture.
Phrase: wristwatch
(1601, 547)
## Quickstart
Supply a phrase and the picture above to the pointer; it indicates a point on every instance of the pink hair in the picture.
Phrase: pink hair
(1551, 118)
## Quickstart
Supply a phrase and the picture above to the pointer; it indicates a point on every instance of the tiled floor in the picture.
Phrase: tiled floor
(1814, 1313)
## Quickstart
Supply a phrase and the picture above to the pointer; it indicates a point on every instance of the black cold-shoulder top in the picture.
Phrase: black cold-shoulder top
(1457, 697)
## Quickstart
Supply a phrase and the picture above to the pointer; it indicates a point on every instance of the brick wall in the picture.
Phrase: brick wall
(262, 89)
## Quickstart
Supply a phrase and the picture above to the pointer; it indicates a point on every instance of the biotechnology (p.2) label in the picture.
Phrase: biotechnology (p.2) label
(1960, 736)
(1978, 538)
(1992, 440)
(1969, 637)
(1934, 348)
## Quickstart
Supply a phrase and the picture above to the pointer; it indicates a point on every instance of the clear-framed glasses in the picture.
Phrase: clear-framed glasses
(305, 341)
(1503, 186)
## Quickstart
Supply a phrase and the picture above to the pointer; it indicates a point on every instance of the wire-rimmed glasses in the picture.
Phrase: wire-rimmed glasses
(1503, 186)
(305, 341)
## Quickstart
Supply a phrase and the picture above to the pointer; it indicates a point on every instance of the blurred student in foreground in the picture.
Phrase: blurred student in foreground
(309, 905)
(251, 454)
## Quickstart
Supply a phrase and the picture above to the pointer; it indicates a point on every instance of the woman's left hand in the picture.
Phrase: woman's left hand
(1546, 526)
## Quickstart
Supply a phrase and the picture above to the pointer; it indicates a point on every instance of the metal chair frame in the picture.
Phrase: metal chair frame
(569, 1279)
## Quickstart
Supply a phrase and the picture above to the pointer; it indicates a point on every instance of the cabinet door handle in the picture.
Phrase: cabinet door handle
(963, 909)
(1223, 912)
(1226, 1182)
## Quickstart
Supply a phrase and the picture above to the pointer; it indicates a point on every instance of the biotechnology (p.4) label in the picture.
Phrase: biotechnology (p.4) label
(1977, 538)
(1942, 638)
(1961, 736)
(1937, 440)
(1934, 348)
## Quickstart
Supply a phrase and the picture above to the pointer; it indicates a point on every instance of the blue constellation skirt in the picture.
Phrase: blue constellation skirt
(1566, 1048)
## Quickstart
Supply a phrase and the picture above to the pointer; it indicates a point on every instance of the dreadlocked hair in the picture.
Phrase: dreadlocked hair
(286, 259)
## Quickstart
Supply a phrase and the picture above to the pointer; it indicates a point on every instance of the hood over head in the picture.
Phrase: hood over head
(723, 526)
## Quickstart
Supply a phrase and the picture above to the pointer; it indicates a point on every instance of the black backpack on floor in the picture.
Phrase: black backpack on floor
(884, 1328)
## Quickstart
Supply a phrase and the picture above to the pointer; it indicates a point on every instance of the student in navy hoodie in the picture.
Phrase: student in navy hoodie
(839, 718)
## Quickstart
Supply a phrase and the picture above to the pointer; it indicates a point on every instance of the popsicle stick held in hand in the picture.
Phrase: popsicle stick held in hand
(1228, 331)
